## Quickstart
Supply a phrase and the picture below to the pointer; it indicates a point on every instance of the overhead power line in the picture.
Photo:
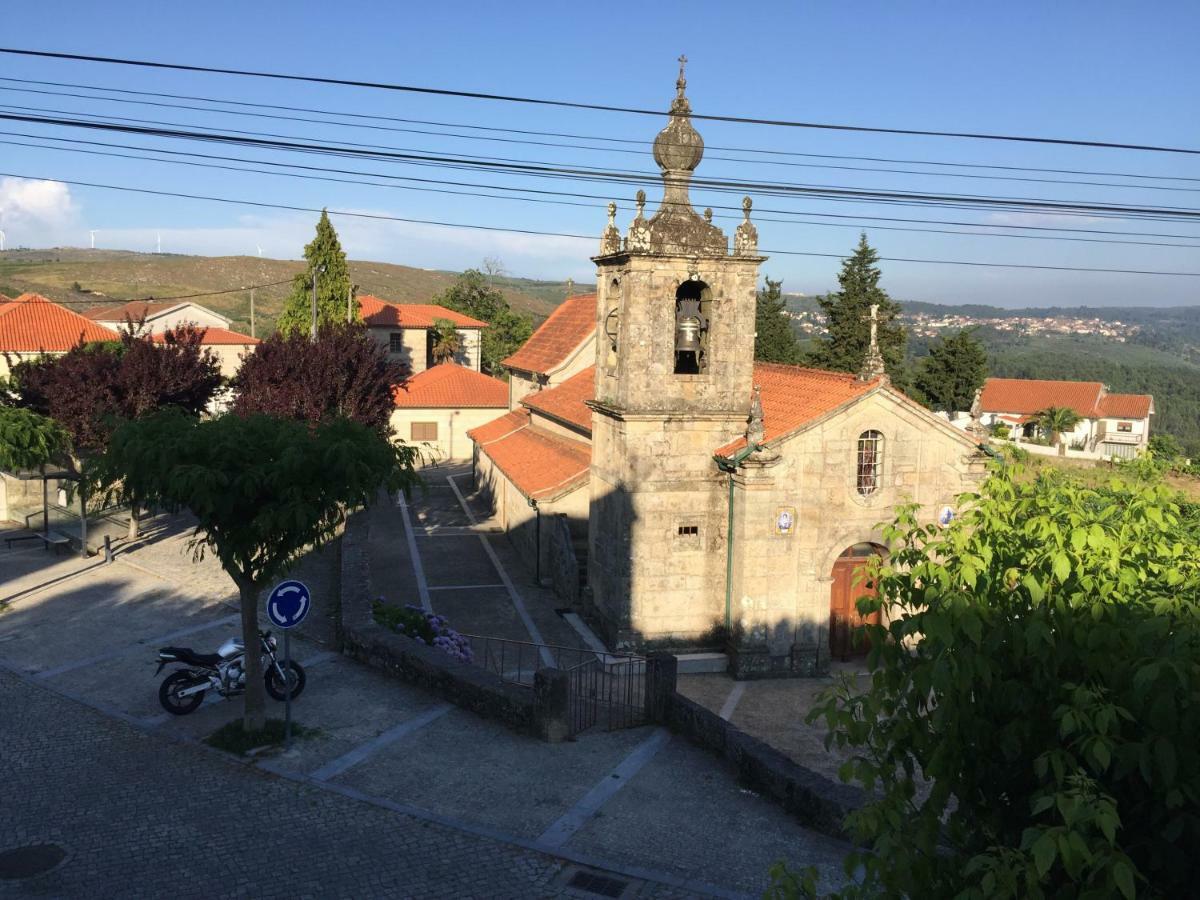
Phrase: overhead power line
(584, 147)
(498, 130)
(518, 167)
(543, 200)
(567, 104)
(584, 237)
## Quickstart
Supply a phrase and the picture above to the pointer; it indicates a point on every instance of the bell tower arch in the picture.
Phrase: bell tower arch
(675, 314)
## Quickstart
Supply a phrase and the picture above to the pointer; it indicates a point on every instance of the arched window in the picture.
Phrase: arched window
(870, 462)
(692, 301)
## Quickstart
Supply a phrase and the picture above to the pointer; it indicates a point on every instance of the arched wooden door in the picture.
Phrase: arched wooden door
(847, 587)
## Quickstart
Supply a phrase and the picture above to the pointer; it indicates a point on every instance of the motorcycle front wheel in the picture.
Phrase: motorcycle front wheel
(168, 694)
(276, 686)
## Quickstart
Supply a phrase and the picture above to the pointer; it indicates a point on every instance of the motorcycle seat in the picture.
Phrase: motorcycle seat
(187, 656)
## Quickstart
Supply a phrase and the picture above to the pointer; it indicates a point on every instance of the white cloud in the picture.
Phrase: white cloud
(37, 213)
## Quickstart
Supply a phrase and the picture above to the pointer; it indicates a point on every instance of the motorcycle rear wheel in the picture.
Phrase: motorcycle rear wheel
(168, 694)
(275, 685)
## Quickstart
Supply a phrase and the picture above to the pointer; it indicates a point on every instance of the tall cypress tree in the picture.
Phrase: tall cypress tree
(333, 285)
(847, 315)
(954, 370)
(774, 340)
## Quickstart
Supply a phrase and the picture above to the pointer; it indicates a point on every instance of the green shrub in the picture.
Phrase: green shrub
(1042, 671)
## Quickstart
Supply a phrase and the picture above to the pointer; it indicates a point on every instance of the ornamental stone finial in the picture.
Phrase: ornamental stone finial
(872, 367)
(610, 241)
(638, 240)
(755, 429)
(681, 81)
(745, 238)
(708, 215)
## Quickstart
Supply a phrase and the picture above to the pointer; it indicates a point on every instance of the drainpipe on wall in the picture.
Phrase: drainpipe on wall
(537, 538)
(730, 466)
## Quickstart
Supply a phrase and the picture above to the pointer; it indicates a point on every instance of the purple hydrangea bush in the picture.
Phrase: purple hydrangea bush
(428, 628)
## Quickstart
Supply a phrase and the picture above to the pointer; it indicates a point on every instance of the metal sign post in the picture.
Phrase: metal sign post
(287, 605)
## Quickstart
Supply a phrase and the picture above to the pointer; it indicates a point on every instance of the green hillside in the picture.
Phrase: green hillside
(83, 278)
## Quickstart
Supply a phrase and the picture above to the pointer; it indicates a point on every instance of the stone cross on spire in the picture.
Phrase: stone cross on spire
(872, 367)
(681, 81)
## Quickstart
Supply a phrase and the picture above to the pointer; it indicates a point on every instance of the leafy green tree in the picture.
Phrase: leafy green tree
(328, 263)
(446, 341)
(774, 339)
(1056, 420)
(473, 296)
(847, 319)
(30, 441)
(1165, 446)
(1028, 727)
(954, 370)
(263, 490)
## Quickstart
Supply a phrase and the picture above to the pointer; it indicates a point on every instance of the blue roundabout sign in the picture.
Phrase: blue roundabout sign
(288, 604)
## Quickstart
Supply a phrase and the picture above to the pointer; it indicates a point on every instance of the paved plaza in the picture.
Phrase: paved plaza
(399, 794)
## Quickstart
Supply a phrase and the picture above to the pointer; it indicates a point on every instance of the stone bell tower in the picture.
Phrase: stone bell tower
(675, 313)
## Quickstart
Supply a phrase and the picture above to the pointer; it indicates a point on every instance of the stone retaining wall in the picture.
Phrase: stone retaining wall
(540, 712)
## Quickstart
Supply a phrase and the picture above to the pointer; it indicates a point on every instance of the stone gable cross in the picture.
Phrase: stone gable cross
(874, 317)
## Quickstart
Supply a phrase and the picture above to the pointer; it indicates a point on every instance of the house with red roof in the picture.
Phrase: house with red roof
(437, 407)
(1110, 425)
(156, 317)
(678, 492)
(33, 326)
(406, 329)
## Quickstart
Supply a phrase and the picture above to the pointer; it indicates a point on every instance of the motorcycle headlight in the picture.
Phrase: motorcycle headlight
(272, 643)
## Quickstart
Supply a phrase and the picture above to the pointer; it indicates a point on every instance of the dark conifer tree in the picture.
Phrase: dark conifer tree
(954, 370)
(333, 285)
(774, 339)
(847, 313)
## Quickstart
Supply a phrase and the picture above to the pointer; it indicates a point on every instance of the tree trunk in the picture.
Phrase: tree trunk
(254, 717)
(133, 521)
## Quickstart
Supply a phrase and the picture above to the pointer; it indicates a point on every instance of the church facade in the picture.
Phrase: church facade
(718, 503)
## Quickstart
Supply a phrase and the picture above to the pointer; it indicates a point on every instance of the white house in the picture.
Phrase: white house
(438, 406)
(1110, 425)
(406, 329)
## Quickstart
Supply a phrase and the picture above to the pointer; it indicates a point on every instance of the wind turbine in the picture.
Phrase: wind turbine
(158, 236)
(1, 239)
(259, 251)
(92, 235)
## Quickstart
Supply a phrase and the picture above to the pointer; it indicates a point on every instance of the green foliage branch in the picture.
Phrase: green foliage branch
(327, 263)
(774, 339)
(956, 367)
(30, 441)
(472, 295)
(1028, 728)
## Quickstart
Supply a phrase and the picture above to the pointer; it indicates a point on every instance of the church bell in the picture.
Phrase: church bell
(688, 348)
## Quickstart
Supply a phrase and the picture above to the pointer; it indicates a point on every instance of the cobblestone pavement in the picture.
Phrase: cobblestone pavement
(141, 817)
(93, 762)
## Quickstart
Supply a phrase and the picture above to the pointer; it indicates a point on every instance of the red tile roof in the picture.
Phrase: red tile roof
(31, 323)
(1126, 406)
(450, 385)
(134, 309)
(542, 466)
(1026, 396)
(793, 396)
(566, 401)
(553, 343)
(217, 337)
(1089, 399)
(380, 313)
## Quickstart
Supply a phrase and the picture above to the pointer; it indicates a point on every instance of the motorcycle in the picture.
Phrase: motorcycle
(183, 690)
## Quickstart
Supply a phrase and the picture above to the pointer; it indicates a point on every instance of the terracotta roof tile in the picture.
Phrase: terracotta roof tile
(31, 323)
(542, 466)
(795, 395)
(553, 343)
(1126, 406)
(566, 401)
(1026, 396)
(380, 313)
(450, 385)
(214, 336)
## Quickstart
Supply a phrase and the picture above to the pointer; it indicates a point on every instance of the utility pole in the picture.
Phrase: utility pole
(350, 303)
(317, 271)
(251, 312)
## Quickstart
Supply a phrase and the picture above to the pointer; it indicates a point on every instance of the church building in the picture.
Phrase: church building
(710, 502)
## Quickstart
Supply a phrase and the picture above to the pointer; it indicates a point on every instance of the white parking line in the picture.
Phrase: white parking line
(731, 702)
(463, 587)
(578, 815)
(151, 642)
(363, 751)
(418, 569)
(517, 601)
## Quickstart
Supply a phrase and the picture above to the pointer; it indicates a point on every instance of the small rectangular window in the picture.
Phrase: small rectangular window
(396, 342)
(1126, 427)
(424, 431)
(689, 530)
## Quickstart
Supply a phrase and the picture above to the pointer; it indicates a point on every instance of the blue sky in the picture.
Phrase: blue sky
(1102, 71)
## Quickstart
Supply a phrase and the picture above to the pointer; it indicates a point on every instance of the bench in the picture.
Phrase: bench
(56, 540)
(27, 536)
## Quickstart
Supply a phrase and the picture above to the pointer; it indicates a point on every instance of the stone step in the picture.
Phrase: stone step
(702, 663)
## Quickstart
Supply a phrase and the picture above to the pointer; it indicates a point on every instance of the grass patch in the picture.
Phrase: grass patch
(233, 738)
